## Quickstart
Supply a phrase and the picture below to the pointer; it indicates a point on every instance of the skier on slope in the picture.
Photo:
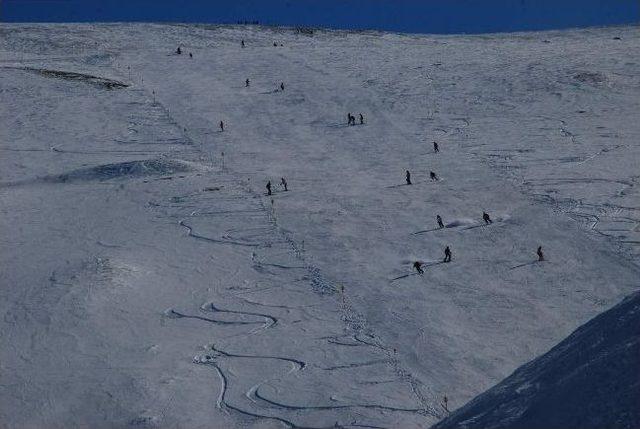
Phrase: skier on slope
(190, 55)
(540, 254)
(433, 175)
(178, 51)
(221, 126)
(447, 254)
(439, 220)
(408, 177)
(350, 119)
(268, 187)
(246, 83)
(436, 149)
(486, 218)
(282, 86)
(418, 266)
(361, 119)
(283, 182)
(242, 43)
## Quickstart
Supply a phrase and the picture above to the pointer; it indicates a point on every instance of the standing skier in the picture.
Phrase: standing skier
(436, 149)
(486, 218)
(439, 220)
(221, 126)
(433, 175)
(540, 254)
(418, 266)
(178, 51)
(242, 43)
(282, 86)
(246, 83)
(283, 182)
(447, 254)
(268, 187)
(408, 177)
(361, 119)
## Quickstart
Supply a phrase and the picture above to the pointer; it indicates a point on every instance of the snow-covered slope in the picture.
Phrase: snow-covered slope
(147, 279)
(589, 380)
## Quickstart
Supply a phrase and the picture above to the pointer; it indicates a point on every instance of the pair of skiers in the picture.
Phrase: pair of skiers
(283, 183)
(417, 265)
(407, 177)
(351, 120)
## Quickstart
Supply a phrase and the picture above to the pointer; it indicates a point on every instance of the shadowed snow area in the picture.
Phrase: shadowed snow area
(147, 279)
(589, 380)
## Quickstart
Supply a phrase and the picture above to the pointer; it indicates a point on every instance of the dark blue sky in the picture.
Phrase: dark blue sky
(420, 16)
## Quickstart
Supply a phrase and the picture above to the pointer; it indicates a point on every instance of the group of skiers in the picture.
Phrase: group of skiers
(283, 183)
(351, 120)
(179, 52)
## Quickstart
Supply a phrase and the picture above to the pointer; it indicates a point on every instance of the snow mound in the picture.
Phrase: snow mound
(101, 82)
(152, 167)
(589, 380)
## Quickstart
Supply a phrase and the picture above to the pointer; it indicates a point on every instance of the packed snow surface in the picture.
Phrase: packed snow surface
(147, 280)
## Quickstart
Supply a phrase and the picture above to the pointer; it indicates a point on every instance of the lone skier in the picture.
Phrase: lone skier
(408, 177)
(436, 149)
(178, 51)
(439, 220)
(268, 187)
(447, 254)
(433, 175)
(540, 254)
(282, 86)
(242, 43)
(190, 55)
(361, 119)
(246, 83)
(283, 182)
(221, 126)
(486, 218)
(418, 266)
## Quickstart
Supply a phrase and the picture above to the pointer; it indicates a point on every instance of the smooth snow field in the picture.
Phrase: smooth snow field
(147, 280)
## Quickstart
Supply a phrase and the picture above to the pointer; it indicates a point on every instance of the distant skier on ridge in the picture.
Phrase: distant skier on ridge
(439, 220)
(221, 126)
(433, 175)
(268, 187)
(436, 149)
(283, 182)
(361, 119)
(486, 218)
(408, 177)
(540, 254)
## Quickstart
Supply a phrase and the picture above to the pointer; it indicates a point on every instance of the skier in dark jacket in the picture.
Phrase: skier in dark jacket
(268, 187)
(282, 86)
(418, 266)
(283, 182)
(361, 119)
(246, 83)
(190, 55)
(408, 177)
(242, 43)
(447, 254)
(486, 218)
(439, 220)
(221, 126)
(178, 51)
(540, 254)
(433, 175)
(436, 149)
